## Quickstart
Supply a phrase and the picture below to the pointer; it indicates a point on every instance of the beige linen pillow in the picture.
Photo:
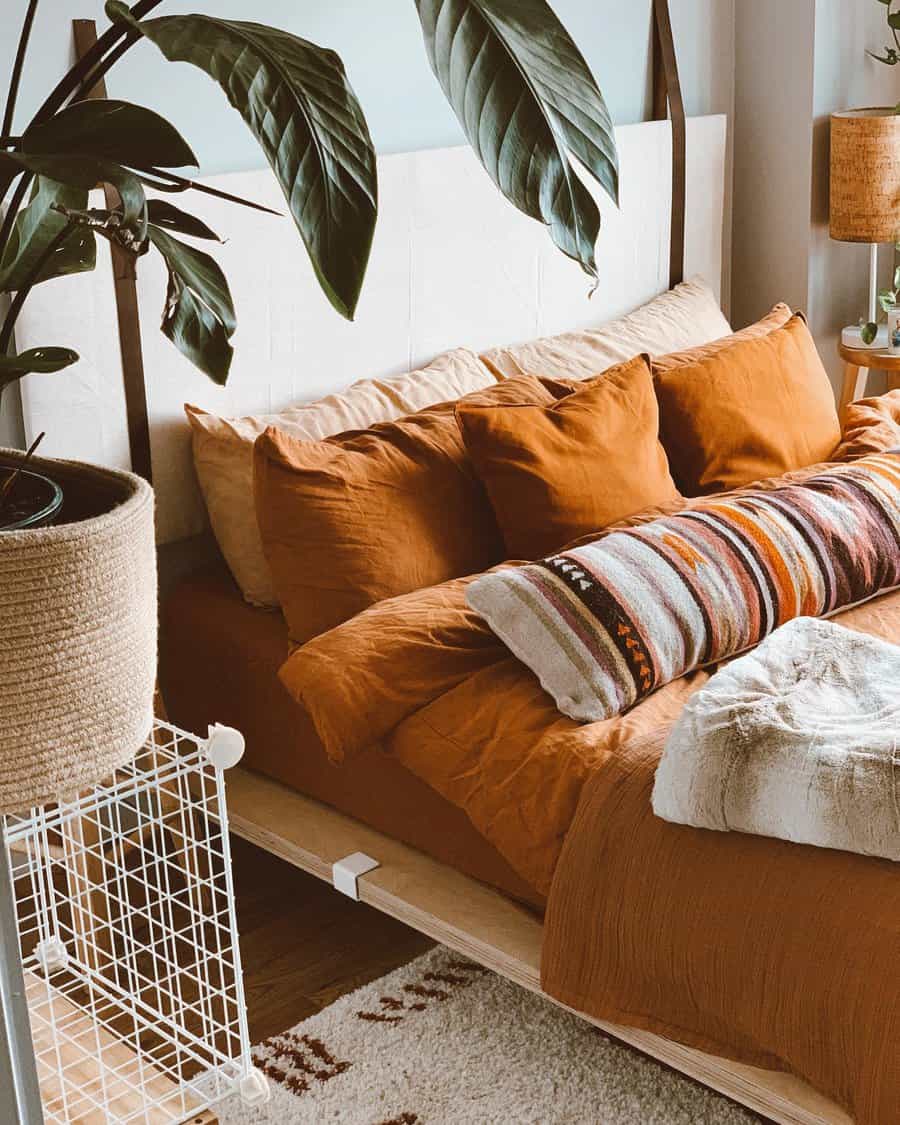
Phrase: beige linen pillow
(684, 317)
(223, 449)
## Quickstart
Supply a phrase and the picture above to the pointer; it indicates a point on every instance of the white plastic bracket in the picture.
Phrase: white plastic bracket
(52, 955)
(224, 746)
(346, 872)
(254, 1089)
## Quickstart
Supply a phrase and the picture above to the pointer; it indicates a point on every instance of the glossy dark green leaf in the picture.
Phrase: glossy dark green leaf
(199, 314)
(526, 100)
(36, 226)
(197, 333)
(162, 180)
(112, 130)
(43, 360)
(87, 172)
(197, 271)
(297, 101)
(161, 213)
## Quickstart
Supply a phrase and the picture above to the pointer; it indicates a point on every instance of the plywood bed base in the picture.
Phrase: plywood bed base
(481, 924)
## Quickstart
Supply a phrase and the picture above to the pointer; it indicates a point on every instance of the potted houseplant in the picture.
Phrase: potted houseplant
(77, 561)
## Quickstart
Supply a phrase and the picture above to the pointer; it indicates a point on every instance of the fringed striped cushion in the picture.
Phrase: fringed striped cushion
(605, 624)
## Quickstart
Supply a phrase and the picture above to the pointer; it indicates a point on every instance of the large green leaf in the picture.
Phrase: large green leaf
(36, 226)
(161, 213)
(199, 314)
(297, 101)
(112, 130)
(526, 100)
(43, 360)
(197, 333)
(86, 172)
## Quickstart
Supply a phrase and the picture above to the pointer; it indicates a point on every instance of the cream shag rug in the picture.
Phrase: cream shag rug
(444, 1042)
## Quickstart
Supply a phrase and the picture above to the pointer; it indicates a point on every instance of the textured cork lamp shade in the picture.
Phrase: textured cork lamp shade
(865, 175)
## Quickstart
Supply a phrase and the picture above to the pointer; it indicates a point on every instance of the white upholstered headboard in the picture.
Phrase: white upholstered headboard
(452, 264)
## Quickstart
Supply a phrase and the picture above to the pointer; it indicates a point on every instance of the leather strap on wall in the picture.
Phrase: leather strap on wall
(667, 100)
(124, 275)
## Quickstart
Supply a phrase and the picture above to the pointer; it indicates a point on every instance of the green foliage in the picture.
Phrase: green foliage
(500, 65)
(297, 101)
(890, 54)
(161, 213)
(199, 315)
(519, 85)
(42, 360)
(35, 228)
(112, 130)
(868, 330)
(85, 172)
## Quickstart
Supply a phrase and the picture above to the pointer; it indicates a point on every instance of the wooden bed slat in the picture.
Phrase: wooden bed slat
(482, 924)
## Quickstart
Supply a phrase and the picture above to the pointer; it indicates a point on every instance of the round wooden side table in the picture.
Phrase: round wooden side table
(858, 362)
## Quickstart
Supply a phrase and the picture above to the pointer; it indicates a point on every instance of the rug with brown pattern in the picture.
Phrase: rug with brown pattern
(442, 1041)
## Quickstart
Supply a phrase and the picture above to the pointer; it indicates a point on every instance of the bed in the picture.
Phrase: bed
(475, 273)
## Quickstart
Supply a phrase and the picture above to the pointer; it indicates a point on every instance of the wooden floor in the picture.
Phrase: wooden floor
(303, 945)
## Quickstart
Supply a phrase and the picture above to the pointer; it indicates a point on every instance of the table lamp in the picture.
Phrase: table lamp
(865, 193)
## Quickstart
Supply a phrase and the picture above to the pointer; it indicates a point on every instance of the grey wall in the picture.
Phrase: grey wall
(772, 169)
(381, 45)
(795, 64)
(844, 76)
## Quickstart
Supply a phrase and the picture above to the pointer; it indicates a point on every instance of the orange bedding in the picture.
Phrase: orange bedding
(775, 954)
(650, 923)
(219, 660)
(671, 910)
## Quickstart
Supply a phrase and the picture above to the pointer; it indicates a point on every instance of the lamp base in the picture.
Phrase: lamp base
(851, 338)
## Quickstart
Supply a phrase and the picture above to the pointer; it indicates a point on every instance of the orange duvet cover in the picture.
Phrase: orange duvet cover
(774, 953)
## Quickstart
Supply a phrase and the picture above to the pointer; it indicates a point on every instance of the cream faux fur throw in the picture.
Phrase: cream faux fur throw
(798, 739)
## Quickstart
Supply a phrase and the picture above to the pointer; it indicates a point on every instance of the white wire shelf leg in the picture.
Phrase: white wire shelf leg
(20, 1098)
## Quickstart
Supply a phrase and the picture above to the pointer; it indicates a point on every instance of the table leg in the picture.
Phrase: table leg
(20, 1095)
(854, 383)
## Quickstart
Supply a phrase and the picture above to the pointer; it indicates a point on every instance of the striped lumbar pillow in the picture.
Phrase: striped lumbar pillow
(605, 624)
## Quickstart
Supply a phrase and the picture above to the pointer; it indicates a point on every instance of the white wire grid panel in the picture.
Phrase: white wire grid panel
(128, 937)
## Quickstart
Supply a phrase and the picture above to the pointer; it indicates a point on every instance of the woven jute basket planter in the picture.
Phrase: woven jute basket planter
(77, 636)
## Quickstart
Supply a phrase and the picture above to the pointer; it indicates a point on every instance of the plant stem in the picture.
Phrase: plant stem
(7, 486)
(21, 294)
(14, 204)
(72, 80)
(891, 26)
(97, 74)
(16, 76)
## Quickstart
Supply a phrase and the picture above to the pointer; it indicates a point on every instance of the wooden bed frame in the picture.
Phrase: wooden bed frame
(434, 899)
(481, 924)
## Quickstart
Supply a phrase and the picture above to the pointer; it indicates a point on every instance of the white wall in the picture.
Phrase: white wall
(381, 46)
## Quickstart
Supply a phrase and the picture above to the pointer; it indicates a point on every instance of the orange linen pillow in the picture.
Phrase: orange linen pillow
(756, 408)
(556, 472)
(777, 317)
(871, 425)
(370, 514)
